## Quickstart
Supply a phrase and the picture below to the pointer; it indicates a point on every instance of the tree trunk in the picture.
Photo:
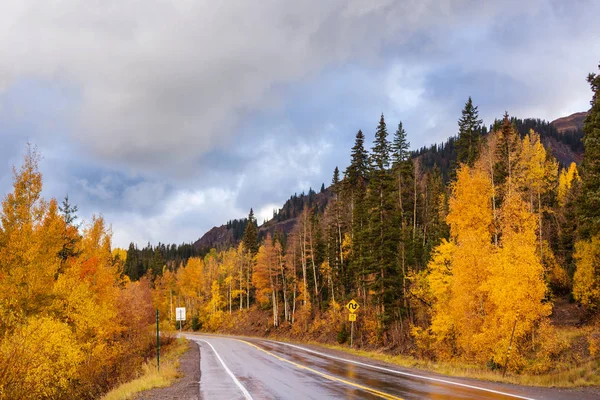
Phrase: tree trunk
(541, 215)
(415, 201)
(248, 287)
(303, 257)
(284, 284)
(241, 280)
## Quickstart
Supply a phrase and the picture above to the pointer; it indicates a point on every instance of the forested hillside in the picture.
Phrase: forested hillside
(453, 252)
(563, 138)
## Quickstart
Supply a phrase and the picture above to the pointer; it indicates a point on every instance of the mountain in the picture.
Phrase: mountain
(222, 237)
(573, 122)
(283, 221)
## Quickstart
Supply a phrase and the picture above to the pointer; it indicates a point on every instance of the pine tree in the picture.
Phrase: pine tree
(251, 234)
(359, 164)
(400, 146)
(507, 153)
(355, 191)
(68, 211)
(382, 235)
(70, 235)
(469, 134)
(131, 267)
(589, 209)
(336, 230)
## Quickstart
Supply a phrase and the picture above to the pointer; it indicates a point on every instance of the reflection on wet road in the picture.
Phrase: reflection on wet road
(234, 368)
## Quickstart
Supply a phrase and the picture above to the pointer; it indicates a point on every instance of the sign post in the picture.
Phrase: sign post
(157, 342)
(180, 316)
(353, 307)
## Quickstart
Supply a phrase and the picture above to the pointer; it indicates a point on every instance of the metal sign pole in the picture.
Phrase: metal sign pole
(351, 333)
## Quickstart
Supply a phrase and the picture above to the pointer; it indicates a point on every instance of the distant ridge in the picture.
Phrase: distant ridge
(572, 122)
(561, 136)
(283, 221)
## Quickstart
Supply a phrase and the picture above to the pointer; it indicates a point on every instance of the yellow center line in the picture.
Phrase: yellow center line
(327, 376)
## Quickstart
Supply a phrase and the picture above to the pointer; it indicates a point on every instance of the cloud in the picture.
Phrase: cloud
(184, 214)
(171, 117)
(160, 84)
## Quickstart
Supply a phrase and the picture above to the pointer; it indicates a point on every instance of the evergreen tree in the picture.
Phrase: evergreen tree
(402, 170)
(400, 146)
(382, 238)
(251, 234)
(131, 267)
(336, 233)
(589, 209)
(507, 149)
(357, 170)
(70, 235)
(355, 192)
(469, 134)
(68, 211)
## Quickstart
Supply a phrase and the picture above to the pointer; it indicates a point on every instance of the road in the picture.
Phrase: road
(243, 368)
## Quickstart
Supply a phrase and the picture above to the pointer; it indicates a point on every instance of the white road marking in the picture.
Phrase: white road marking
(238, 383)
(405, 373)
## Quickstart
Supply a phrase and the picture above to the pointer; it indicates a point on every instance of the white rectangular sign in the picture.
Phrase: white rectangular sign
(180, 314)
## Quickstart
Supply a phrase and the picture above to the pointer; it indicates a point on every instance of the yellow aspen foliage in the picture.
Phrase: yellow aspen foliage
(64, 327)
(119, 253)
(39, 360)
(470, 205)
(434, 286)
(164, 295)
(476, 289)
(565, 182)
(347, 246)
(26, 272)
(191, 282)
(470, 219)
(214, 307)
(264, 270)
(536, 172)
(516, 283)
(586, 281)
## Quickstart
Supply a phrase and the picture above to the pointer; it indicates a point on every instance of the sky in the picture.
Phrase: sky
(170, 117)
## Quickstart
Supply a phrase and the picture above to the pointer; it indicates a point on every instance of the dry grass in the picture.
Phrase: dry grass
(565, 375)
(150, 377)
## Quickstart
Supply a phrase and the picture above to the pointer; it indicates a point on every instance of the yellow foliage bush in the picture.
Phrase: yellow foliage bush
(39, 360)
(586, 281)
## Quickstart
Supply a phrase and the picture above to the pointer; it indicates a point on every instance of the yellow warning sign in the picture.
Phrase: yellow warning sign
(351, 317)
(352, 306)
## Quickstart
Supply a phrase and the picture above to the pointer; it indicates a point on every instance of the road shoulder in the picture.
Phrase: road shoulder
(185, 388)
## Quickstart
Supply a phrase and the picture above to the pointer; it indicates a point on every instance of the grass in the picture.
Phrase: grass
(150, 377)
(565, 376)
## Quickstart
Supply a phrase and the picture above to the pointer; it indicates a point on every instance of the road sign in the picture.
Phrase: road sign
(180, 314)
(352, 306)
(352, 317)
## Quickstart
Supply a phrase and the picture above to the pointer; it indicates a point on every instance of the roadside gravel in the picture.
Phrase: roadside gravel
(185, 388)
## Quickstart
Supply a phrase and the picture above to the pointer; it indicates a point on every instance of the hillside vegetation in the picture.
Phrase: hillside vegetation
(468, 268)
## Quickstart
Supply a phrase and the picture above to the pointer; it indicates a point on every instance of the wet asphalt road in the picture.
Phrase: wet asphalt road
(244, 368)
